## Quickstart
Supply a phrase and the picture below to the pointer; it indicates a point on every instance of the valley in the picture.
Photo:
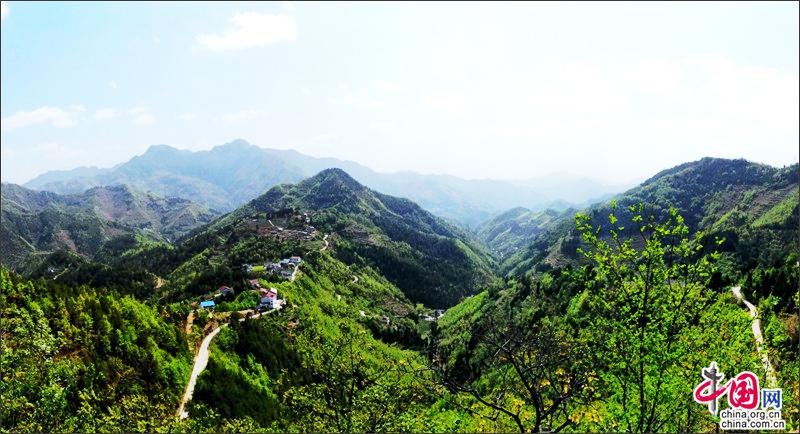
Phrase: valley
(398, 217)
(396, 308)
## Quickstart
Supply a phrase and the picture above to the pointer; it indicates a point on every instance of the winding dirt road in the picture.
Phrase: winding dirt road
(201, 359)
(200, 363)
(771, 379)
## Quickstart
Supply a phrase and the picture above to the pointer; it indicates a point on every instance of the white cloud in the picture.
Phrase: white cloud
(141, 116)
(322, 138)
(383, 85)
(105, 113)
(156, 39)
(243, 116)
(5, 152)
(56, 151)
(112, 84)
(187, 116)
(361, 100)
(251, 29)
(3, 9)
(144, 119)
(371, 96)
(55, 116)
(382, 125)
(449, 104)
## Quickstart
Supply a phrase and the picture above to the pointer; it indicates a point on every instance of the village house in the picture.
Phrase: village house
(286, 274)
(248, 268)
(255, 283)
(295, 260)
(272, 267)
(224, 290)
(208, 304)
(270, 300)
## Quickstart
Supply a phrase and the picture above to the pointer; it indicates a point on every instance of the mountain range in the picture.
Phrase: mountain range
(429, 259)
(229, 175)
(130, 290)
(41, 221)
(753, 207)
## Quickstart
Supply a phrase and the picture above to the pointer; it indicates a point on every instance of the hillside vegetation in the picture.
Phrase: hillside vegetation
(42, 222)
(601, 324)
(430, 260)
(514, 229)
(752, 206)
(230, 175)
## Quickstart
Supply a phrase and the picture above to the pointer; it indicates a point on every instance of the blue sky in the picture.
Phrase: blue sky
(615, 92)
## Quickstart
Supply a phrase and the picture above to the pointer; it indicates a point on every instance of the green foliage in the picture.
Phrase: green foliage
(102, 222)
(753, 207)
(79, 358)
(429, 259)
(648, 315)
(515, 229)
(317, 365)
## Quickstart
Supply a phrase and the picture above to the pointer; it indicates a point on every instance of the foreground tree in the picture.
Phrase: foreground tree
(352, 388)
(523, 370)
(649, 295)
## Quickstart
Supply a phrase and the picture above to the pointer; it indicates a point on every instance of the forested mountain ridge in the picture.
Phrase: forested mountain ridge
(754, 207)
(34, 221)
(351, 337)
(516, 228)
(431, 260)
(229, 175)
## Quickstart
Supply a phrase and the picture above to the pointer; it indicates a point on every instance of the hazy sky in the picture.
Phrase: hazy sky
(611, 91)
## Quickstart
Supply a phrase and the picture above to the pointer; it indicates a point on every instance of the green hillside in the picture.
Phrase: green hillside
(228, 176)
(551, 347)
(35, 222)
(514, 229)
(430, 260)
(752, 206)
(81, 359)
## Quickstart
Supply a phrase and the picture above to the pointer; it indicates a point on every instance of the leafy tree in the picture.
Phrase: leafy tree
(649, 293)
(350, 389)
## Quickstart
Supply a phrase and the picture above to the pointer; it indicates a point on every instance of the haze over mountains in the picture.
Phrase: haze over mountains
(229, 175)
(374, 266)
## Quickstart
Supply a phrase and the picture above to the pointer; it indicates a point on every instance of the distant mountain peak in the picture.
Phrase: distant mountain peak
(159, 151)
(236, 144)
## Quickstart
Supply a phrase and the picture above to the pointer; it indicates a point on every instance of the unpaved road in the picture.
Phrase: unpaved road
(324, 240)
(200, 363)
(201, 360)
(737, 292)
